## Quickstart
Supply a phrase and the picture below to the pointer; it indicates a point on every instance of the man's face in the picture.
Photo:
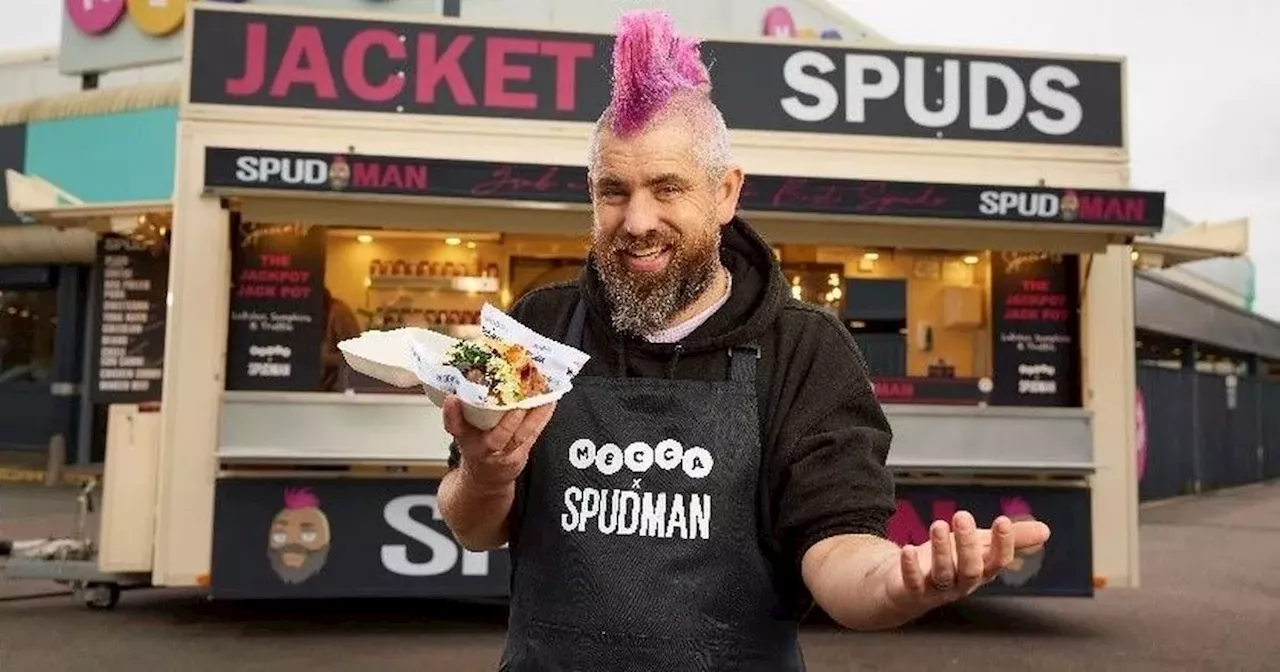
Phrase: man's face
(299, 544)
(657, 219)
(339, 174)
(1025, 566)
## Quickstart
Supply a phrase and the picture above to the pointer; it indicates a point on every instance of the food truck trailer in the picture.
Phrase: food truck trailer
(967, 215)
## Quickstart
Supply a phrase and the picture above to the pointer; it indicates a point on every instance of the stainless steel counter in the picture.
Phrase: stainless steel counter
(407, 429)
(991, 438)
(303, 427)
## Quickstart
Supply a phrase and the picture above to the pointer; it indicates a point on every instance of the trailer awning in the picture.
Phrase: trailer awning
(1196, 243)
(59, 228)
(1167, 307)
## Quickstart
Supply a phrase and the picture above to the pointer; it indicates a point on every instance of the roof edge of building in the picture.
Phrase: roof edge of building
(97, 102)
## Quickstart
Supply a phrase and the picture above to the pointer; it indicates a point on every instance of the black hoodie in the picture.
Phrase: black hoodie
(823, 434)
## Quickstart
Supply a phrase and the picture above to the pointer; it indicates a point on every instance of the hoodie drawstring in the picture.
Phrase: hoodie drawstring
(620, 360)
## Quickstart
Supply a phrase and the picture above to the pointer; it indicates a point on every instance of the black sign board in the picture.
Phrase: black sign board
(398, 67)
(13, 156)
(128, 349)
(363, 537)
(936, 391)
(330, 538)
(1064, 567)
(399, 176)
(277, 307)
(1035, 329)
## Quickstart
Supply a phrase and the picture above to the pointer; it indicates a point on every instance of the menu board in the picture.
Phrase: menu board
(277, 307)
(1035, 327)
(128, 348)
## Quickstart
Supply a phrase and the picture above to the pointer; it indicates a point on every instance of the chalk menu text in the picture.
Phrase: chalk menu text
(132, 289)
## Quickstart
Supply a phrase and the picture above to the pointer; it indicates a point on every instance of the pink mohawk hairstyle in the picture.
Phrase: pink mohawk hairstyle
(1015, 507)
(651, 63)
(300, 498)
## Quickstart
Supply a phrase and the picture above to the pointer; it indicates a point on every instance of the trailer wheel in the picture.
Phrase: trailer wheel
(101, 596)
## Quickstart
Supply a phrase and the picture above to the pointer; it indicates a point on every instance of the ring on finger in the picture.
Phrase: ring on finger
(941, 586)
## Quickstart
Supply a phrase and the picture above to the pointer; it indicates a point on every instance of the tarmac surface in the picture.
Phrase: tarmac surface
(1210, 600)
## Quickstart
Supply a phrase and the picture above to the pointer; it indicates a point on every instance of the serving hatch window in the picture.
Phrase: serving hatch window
(952, 327)
(300, 289)
(956, 328)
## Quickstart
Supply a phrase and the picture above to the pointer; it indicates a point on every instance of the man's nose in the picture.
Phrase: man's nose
(642, 215)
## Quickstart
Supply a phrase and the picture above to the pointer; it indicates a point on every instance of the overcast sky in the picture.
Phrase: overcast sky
(1204, 87)
(1204, 91)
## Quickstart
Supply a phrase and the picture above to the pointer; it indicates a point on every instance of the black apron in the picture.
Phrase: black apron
(636, 545)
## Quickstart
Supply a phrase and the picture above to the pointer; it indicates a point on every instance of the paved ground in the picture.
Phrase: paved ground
(1210, 601)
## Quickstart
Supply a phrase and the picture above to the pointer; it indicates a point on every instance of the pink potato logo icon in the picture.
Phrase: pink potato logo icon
(94, 17)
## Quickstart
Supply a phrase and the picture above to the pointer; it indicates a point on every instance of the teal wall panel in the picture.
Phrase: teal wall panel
(128, 156)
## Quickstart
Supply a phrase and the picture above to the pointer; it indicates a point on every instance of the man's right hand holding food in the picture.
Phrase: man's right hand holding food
(483, 482)
(719, 465)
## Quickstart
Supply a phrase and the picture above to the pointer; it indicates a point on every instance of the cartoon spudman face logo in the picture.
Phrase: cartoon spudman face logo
(299, 543)
(339, 173)
(1070, 206)
(1025, 566)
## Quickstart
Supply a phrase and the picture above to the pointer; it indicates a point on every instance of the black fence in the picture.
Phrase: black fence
(1206, 431)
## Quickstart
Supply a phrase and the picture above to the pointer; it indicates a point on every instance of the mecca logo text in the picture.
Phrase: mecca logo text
(634, 509)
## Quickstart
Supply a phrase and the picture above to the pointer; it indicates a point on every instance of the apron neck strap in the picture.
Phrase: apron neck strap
(742, 363)
(577, 324)
(742, 358)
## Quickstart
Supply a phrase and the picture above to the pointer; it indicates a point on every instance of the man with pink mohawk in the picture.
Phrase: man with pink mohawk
(719, 466)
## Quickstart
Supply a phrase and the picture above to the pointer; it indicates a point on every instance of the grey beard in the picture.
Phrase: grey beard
(641, 307)
(294, 575)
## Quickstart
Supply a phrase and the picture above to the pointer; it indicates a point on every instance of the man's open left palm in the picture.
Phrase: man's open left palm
(959, 558)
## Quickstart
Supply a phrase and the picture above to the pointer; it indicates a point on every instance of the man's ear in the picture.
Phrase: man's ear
(727, 193)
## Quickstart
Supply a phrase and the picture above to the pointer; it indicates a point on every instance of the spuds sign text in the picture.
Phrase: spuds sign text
(272, 60)
(1063, 567)
(295, 538)
(343, 538)
(337, 173)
